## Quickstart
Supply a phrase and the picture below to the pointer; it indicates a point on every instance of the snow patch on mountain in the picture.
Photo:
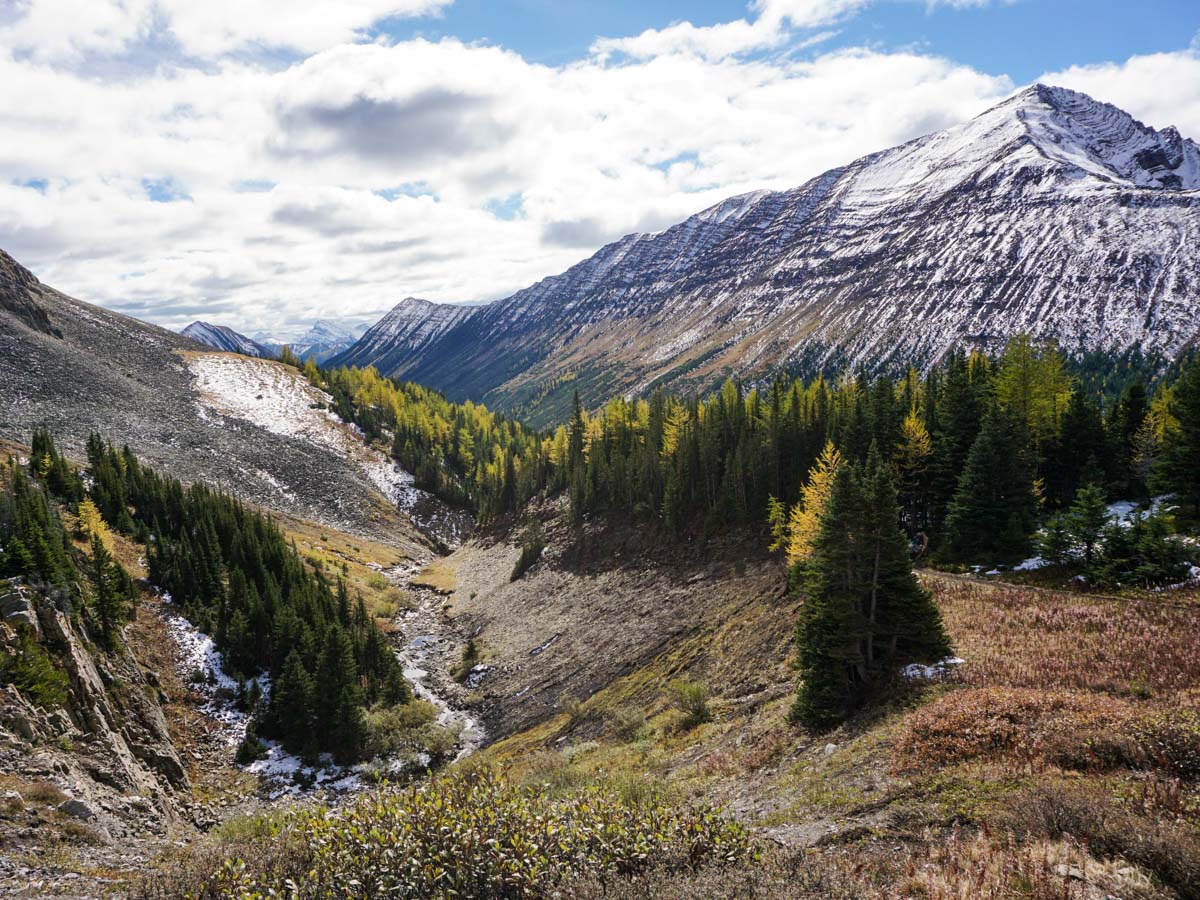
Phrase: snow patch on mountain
(279, 399)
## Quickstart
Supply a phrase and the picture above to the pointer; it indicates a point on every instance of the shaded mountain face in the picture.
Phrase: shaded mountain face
(399, 338)
(219, 337)
(1050, 214)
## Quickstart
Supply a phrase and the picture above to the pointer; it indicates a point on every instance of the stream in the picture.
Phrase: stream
(427, 650)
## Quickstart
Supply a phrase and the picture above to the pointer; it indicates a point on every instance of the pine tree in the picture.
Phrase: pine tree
(958, 413)
(993, 510)
(865, 613)
(1086, 521)
(831, 628)
(912, 469)
(1055, 544)
(291, 706)
(1180, 464)
(110, 591)
(904, 622)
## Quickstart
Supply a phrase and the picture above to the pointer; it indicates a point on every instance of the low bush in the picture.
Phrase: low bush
(1068, 729)
(469, 834)
(1171, 739)
(627, 723)
(392, 730)
(692, 699)
(1168, 849)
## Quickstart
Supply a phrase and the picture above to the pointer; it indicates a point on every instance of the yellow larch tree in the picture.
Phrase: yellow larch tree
(805, 521)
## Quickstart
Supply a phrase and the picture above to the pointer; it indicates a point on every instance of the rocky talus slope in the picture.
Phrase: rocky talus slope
(77, 369)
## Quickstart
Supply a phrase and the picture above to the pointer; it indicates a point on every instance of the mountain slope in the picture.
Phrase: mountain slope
(220, 337)
(409, 328)
(80, 369)
(1051, 214)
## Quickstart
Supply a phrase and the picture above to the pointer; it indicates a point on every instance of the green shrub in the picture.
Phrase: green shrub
(34, 672)
(692, 699)
(627, 723)
(394, 729)
(251, 749)
(469, 834)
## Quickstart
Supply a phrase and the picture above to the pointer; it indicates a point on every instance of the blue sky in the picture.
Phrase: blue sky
(1022, 39)
(264, 163)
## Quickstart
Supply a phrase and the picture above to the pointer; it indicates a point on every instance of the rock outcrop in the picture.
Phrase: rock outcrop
(107, 748)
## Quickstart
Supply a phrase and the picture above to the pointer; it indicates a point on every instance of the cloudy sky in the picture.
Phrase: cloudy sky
(261, 163)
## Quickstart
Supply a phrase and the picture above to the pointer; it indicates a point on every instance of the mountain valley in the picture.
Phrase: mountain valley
(788, 552)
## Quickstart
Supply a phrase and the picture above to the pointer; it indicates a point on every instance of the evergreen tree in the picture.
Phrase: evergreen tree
(111, 591)
(993, 511)
(1180, 464)
(865, 613)
(291, 707)
(1087, 520)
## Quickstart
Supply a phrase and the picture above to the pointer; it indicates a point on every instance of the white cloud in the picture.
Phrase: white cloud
(59, 30)
(769, 27)
(378, 171)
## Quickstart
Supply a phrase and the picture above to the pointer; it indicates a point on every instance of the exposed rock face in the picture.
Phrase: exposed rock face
(17, 607)
(18, 292)
(108, 748)
(1050, 214)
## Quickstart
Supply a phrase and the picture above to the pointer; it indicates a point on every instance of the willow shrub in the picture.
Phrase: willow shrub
(472, 834)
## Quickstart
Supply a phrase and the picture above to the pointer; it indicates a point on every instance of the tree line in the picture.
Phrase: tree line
(981, 447)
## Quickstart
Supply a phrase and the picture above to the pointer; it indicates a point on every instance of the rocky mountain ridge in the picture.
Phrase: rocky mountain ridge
(221, 337)
(1051, 214)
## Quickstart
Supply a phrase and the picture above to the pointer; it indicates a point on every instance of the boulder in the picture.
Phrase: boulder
(78, 809)
(16, 606)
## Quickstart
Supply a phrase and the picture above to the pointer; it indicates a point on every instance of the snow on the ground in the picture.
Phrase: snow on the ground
(1030, 565)
(937, 670)
(281, 400)
(200, 664)
(1124, 511)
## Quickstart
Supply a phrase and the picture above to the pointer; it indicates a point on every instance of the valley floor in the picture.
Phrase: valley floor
(1060, 759)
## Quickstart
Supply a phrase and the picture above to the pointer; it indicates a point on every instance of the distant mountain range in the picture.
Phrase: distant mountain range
(326, 338)
(1051, 214)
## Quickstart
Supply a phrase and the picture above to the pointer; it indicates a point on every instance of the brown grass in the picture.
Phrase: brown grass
(438, 576)
(1018, 637)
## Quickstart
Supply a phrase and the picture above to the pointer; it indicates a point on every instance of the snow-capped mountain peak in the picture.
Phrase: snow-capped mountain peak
(1106, 141)
(1051, 214)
